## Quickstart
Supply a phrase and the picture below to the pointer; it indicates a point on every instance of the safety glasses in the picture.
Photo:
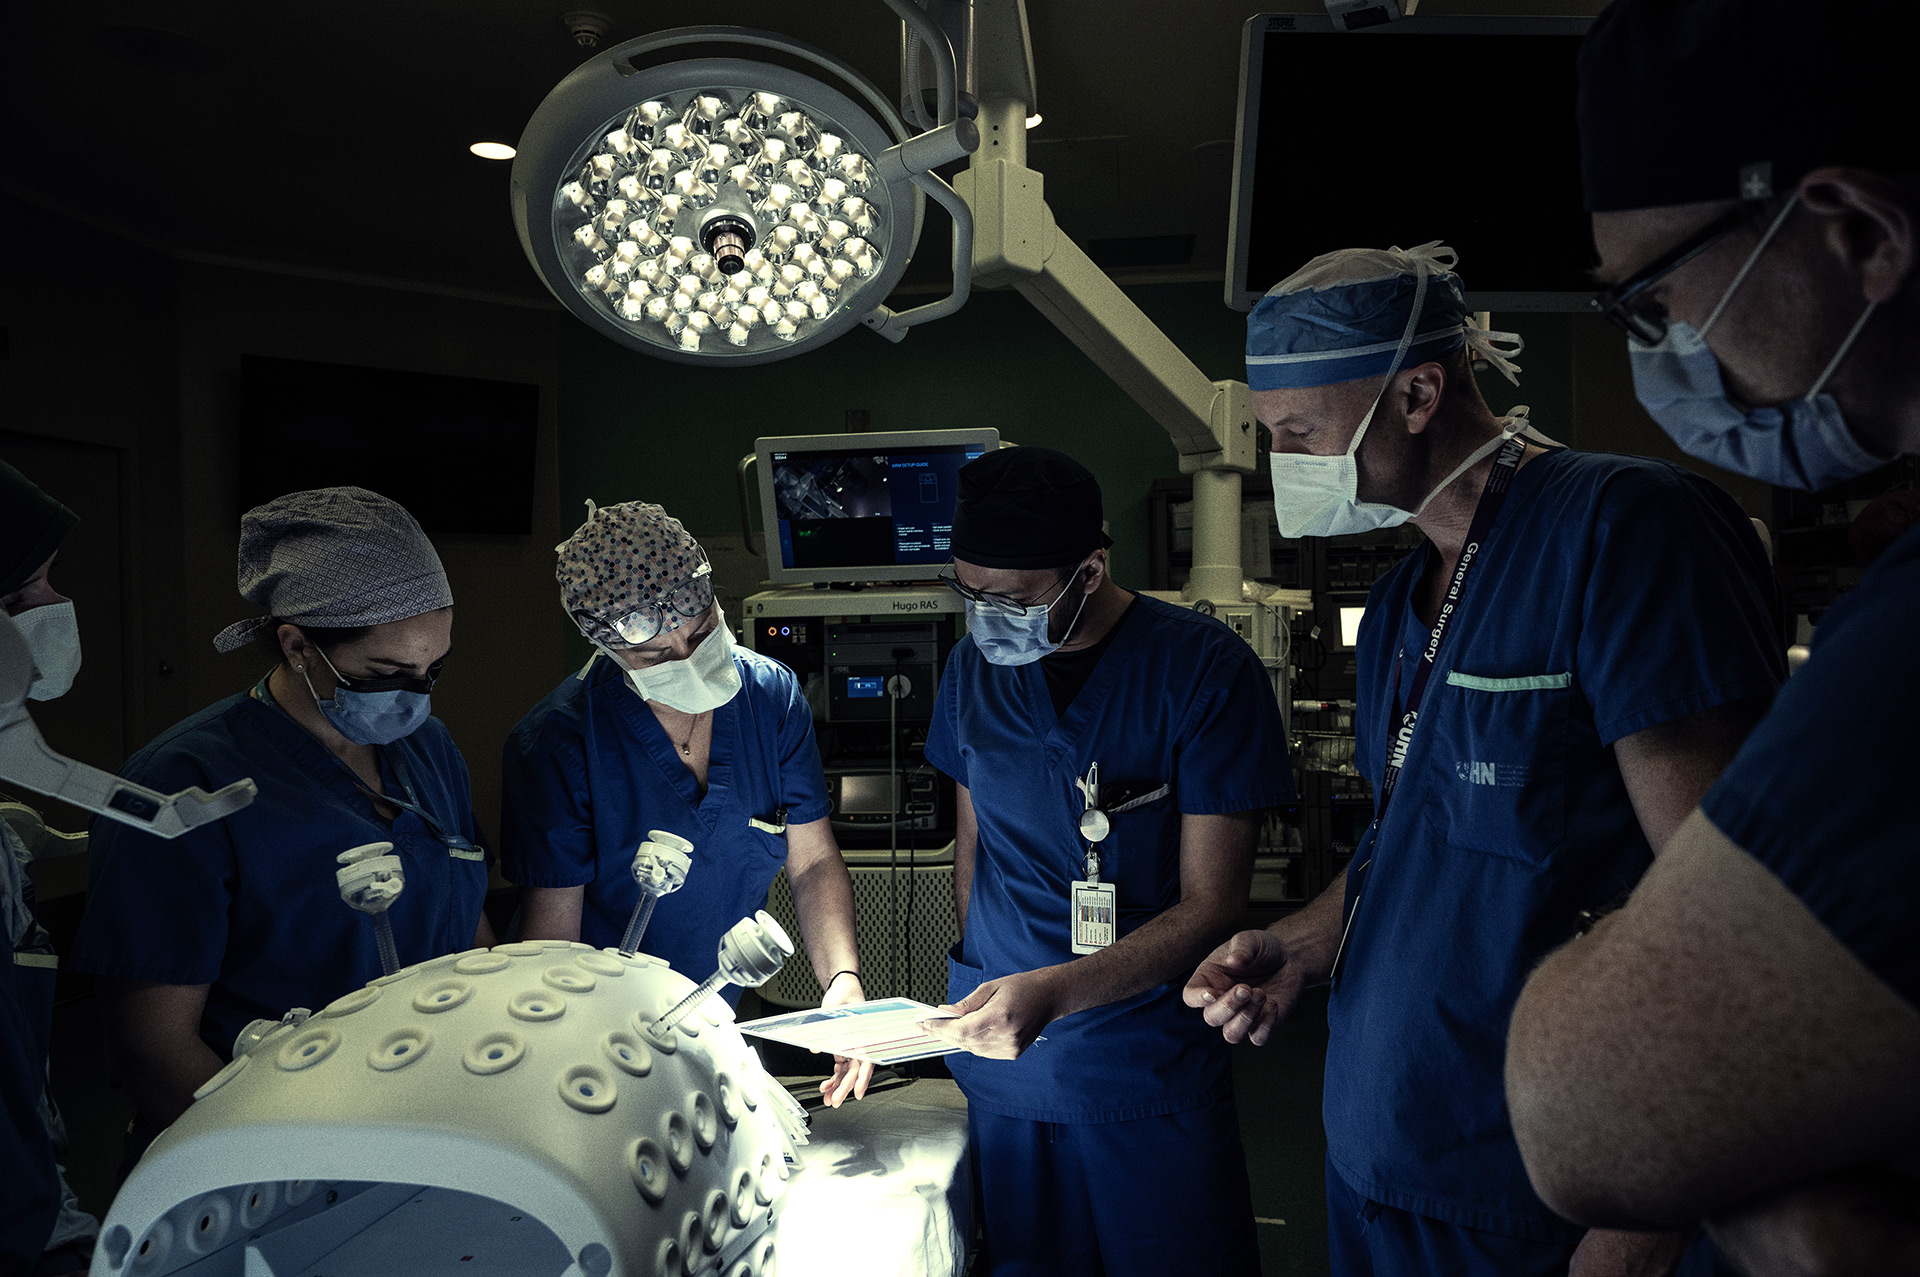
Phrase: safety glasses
(1631, 305)
(387, 682)
(689, 599)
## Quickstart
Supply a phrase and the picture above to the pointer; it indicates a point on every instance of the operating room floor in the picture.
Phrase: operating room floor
(1278, 1087)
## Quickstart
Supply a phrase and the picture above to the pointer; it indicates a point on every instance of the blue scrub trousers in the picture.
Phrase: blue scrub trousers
(1149, 1197)
(1367, 1239)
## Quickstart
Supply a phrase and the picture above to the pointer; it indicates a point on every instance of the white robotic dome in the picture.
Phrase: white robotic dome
(512, 1110)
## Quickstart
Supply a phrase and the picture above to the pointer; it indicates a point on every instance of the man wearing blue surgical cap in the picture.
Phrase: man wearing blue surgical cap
(1546, 688)
(1740, 1042)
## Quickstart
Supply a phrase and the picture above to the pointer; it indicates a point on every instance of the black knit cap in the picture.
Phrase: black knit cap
(1685, 101)
(32, 526)
(1027, 508)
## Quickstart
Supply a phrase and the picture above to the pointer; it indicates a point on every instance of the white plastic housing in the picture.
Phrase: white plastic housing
(488, 1112)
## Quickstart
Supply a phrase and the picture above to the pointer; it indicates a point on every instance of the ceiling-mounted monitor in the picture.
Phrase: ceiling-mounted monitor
(1459, 129)
(862, 507)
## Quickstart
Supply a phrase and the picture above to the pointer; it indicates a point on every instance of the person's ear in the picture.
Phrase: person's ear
(1096, 572)
(1420, 391)
(1868, 227)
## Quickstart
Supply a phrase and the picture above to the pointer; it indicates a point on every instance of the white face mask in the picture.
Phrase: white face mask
(53, 636)
(706, 679)
(1320, 496)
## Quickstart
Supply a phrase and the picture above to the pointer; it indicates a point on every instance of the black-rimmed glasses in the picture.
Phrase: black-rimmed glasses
(1000, 602)
(1631, 305)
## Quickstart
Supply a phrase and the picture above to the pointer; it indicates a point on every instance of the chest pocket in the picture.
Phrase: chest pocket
(1497, 764)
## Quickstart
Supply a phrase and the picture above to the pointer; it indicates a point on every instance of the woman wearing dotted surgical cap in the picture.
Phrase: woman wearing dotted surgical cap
(242, 919)
(671, 727)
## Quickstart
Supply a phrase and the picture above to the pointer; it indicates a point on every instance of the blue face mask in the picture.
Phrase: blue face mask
(1008, 639)
(371, 717)
(1803, 443)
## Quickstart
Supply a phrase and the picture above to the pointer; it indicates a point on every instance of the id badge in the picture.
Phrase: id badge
(1095, 916)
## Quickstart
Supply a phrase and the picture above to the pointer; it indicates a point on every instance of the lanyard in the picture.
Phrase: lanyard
(457, 844)
(1493, 498)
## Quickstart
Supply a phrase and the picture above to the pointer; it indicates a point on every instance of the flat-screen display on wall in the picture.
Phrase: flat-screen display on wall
(456, 451)
(1458, 129)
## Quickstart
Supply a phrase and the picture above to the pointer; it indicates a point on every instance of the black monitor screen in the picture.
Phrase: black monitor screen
(456, 451)
(854, 509)
(1447, 129)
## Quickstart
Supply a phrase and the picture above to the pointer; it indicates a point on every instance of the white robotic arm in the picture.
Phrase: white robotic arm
(26, 759)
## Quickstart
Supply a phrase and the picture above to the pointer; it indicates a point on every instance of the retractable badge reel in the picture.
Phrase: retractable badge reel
(1094, 911)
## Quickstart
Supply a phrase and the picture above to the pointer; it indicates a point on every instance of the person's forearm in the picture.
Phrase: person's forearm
(966, 836)
(552, 913)
(1162, 951)
(823, 901)
(1311, 936)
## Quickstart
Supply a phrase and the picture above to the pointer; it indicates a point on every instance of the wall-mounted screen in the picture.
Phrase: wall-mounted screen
(862, 507)
(456, 451)
(1452, 128)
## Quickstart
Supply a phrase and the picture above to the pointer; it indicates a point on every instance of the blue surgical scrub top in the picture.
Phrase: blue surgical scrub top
(1822, 792)
(589, 771)
(1612, 594)
(1177, 700)
(249, 905)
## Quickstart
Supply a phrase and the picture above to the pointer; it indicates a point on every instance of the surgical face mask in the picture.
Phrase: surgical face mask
(706, 679)
(53, 636)
(1320, 496)
(1007, 638)
(1803, 443)
(371, 718)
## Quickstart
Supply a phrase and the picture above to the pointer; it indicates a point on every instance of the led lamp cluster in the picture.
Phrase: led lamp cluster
(720, 216)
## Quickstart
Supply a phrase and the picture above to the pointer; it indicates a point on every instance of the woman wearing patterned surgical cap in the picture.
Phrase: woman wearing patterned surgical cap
(242, 919)
(671, 727)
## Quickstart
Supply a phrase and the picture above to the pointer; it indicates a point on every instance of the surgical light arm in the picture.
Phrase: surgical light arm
(1017, 244)
(26, 759)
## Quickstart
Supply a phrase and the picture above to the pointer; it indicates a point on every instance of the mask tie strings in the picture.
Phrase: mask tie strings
(1747, 266)
(1841, 353)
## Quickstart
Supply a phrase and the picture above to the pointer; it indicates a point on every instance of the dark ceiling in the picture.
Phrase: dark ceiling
(334, 138)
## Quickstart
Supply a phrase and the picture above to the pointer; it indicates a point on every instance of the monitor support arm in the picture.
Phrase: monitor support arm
(1017, 244)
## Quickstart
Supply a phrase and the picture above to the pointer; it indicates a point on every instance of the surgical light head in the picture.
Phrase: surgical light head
(628, 158)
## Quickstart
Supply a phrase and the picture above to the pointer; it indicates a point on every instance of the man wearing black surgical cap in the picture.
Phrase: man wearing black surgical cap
(1740, 1042)
(1113, 757)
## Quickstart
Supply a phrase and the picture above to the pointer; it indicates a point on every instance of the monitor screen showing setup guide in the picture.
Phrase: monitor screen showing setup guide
(862, 507)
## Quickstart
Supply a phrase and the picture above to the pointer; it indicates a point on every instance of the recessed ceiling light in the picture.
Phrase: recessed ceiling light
(1033, 121)
(492, 150)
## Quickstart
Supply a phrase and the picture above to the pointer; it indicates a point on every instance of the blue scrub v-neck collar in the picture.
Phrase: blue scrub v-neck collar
(665, 752)
(1061, 729)
(316, 758)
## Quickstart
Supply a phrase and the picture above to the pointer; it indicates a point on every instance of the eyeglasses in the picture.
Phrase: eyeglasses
(387, 682)
(1000, 602)
(1631, 306)
(689, 599)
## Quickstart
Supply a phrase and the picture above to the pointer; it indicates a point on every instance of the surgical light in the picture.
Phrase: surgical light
(687, 175)
(492, 150)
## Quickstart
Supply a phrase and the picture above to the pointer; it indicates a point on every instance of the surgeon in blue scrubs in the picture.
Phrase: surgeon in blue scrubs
(196, 937)
(1546, 688)
(1740, 1042)
(671, 726)
(1101, 1111)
